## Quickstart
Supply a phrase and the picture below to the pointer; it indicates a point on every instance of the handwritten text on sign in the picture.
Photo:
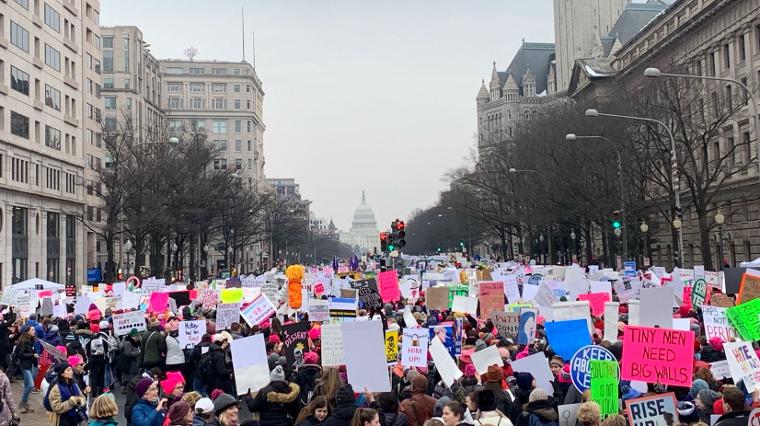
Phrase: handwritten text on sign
(658, 355)
(414, 347)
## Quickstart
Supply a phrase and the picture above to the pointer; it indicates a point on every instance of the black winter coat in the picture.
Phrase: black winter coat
(220, 379)
(277, 404)
(25, 353)
(341, 415)
(395, 419)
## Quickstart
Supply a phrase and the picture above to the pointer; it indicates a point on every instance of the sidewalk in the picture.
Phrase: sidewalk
(39, 417)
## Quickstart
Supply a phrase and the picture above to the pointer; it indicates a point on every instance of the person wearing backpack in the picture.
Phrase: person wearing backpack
(218, 370)
(153, 348)
(199, 370)
(64, 402)
(130, 358)
(97, 360)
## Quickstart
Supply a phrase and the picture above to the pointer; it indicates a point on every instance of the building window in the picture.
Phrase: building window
(237, 125)
(726, 56)
(109, 103)
(220, 164)
(107, 42)
(747, 148)
(196, 71)
(52, 57)
(742, 48)
(218, 71)
(20, 245)
(219, 126)
(250, 164)
(218, 103)
(237, 103)
(236, 88)
(23, 3)
(19, 80)
(249, 146)
(745, 95)
(197, 87)
(110, 123)
(220, 144)
(238, 164)
(108, 60)
(175, 103)
(19, 37)
(52, 18)
(249, 125)
(125, 48)
(729, 98)
(175, 87)
(197, 103)
(19, 125)
(218, 88)
(108, 82)
(174, 70)
(711, 60)
(238, 145)
(52, 138)
(52, 97)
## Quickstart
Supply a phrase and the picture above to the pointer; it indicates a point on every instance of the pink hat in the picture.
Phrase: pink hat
(75, 360)
(173, 378)
(716, 343)
(540, 319)
(504, 352)
(315, 333)
(62, 348)
(522, 354)
(311, 358)
(470, 371)
(274, 338)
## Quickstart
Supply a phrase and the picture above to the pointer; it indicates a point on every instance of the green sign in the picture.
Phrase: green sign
(745, 319)
(604, 386)
(699, 293)
(458, 290)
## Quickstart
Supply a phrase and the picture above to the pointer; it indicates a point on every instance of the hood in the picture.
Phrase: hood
(309, 371)
(283, 392)
(544, 410)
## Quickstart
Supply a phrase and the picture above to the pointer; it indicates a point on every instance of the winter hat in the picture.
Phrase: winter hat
(272, 360)
(524, 381)
(486, 400)
(628, 392)
(697, 386)
(274, 338)
(191, 397)
(687, 412)
(718, 407)
(282, 361)
(469, 370)
(61, 367)
(94, 328)
(311, 358)
(558, 361)
(277, 375)
(419, 383)
(204, 406)
(504, 353)
(538, 394)
(716, 343)
(173, 378)
(177, 411)
(75, 360)
(480, 345)
(708, 397)
(345, 395)
(223, 402)
(142, 386)
(315, 333)
(104, 325)
(494, 374)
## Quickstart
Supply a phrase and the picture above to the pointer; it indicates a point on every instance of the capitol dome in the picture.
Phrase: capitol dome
(363, 236)
(364, 218)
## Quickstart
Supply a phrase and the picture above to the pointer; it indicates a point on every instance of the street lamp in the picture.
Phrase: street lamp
(721, 238)
(514, 170)
(574, 251)
(571, 137)
(674, 161)
(541, 248)
(128, 248)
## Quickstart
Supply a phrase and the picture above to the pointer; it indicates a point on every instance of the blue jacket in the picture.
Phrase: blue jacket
(144, 414)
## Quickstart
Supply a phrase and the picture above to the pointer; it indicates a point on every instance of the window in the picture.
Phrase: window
(174, 70)
(175, 125)
(236, 88)
(107, 42)
(218, 71)
(19, 170)
(747, 148)
(237, 103)
(716, 104)
(236, 71)
(219, 126)
(19, 125)
(108, 60)
(175, 87)
(175, 103)
(110, 123)
(218, 87)
(97, 42)
(218, 103)
(23, 3)
(711, 60)
(52, 98)
(237, 125)
(19, 37)
(220, 144)
(732, 150)
(196, 71)
(197, 103)
(52, 57)
(220, 164)
(52, 138)
(238, 145)
(108, 82)
(249, 125)
(125, 47)
(109, 103)
(250, 163)
(126, 83)
(249, 146)
(726, 56)
(19, 80)
(197, 87)
(52, 18)
(238, 164)
(742, 48)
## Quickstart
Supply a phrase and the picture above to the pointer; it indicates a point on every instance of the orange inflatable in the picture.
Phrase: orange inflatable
(295, 276)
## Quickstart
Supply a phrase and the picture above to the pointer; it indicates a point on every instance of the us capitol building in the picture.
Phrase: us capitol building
(363, 236)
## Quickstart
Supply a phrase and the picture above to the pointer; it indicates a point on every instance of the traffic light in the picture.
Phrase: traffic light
(383, 242)
(400, 233)
(616, 224)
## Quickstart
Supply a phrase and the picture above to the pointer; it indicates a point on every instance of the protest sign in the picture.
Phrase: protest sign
(604, 386)
(82, 305)
(319, 289)
(656, 305)
(511, 289)
(720, 369)
(391, 347)
(226, 314)
(485, 358)
(389, 288)
(332, 345)
(657, 410)
(611, 316)
(124, 323)
(745, 318)
(458, 290)
(658, 355)
(714, 279)
(465, 304)
(717, 324)
(526, 329)
(506, 323)
(368, 293)
(158, 302)
(538, 366)
(601, 287)
(258, 310)
(634, 309)
(231, 295)
(343, 308)
(348, 293)
(444, 363)
(249, 363)
(749, 288)
(414, 345)
(743, 364)
(722, 300)
(437, 298)
(71, 290)
(491, 297)
(191, 332)
(319, 310)
(450, 334)
(597, 301)
(529, 292)
(46, 308)
(568, 414)
(700, 293)
(566, 337)
(295, 342)
(365, 362)
(545, 296)
(573, 310)
(580, 365)
(271, 290)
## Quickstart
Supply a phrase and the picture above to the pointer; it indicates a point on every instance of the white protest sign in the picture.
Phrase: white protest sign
(568, 413)
(485, 358)
(656, 307)
(564, 311)
(633, 312)
(545, 295)
(511, 290)
(249, 363)
(611, 316)
(601, 287)
(124, 323)
(191, 332)
(332, 345)
(319, 310)
(82, 305)
(130, 300)
(414, 347)
(717, 324)
(529, 292)
(444, 363)
(538, 365)
(744, 364)
(409, 318)
(465, 304)
(259, 310)
(576, 287)
(366, 364)
(720, 369)
(226, 314)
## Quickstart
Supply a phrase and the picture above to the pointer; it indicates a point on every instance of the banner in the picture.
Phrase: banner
(389, 288)
(657, 410)
(124, 323)
(226, 314)
(414, 347)
(491, 297)
(295, 342)
(249, 363)
(717, 324)
(745, 318)
(190, 333)
(566, 337)
(332, 345)
(368, 293)
(391, 347)
(604, 386)
(319, 310)
(658, 355)
(365, 362)
(506, 323)
(744, 364)
(259, 310)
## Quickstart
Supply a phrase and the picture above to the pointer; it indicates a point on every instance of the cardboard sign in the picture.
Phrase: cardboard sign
(124, 323)
(414, 347)
(538, 365)
(437, 298)
(295, 342)
(249, 363)
(391, 347)
(491, 297)
(604, 386)
(597, 301)
(191, 332)
(319, 310)
(658, 410)
(444, 363)
(365, 362)
(722, 300)
(749, 289)
(258, 310)
(744, 364)
(389, 288)
(717, 324)
(526, 330)
(580, 365)
(566, 337)
(226, 314)
(658, 355)
(368, 293)
(332, 345)
(506, 323)
(485, 358)
(745, 318)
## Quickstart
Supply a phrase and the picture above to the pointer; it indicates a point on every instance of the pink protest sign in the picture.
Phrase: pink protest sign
(658, 355)
(158, 301)
(389, 289)
(596, 300)
(319, 289)
(491, 298)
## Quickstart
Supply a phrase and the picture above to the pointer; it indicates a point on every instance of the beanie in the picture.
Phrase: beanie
(273, 338)
(104, 325)
(178, 411)
(277, 375)
(142, 386)
(345, 395)
(61, 367)
(697, 386)
(687, 412)
(223, 402)
(173, 378)
(524, 381)
(494, 374)
(486, 400)
(75, 360)
(315, 333)
(311, 358)
(538, 394)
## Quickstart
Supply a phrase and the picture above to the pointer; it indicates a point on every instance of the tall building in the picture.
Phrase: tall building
(225, 99)
(49, 72)
(363, 234)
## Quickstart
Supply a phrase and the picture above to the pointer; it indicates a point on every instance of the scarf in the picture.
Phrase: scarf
(67, 391)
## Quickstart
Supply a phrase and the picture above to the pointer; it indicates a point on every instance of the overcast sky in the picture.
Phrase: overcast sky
(360, 94)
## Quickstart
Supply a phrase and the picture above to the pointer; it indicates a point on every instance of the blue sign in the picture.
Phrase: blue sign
(93, 275)
(566, 337)
(580, 368)
(629, 269)
(535, 279)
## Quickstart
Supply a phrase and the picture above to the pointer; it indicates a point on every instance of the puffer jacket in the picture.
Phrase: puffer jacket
(144, 414)
(277, 404)
(174, 353)
(542, 413)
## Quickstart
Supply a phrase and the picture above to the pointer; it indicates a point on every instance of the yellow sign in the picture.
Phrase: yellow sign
(231, 295)
(391, 346)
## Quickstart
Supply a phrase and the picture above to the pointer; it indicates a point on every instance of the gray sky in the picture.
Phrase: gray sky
(376, 95)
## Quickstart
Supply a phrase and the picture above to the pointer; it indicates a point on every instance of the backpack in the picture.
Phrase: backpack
(205, 368)
(97, 346)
